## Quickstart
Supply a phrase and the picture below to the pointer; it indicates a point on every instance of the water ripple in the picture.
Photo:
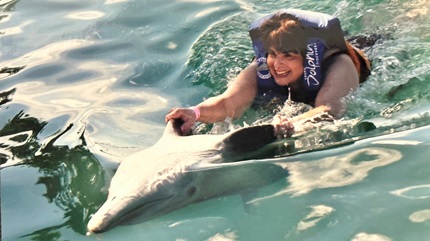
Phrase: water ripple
(414, 192)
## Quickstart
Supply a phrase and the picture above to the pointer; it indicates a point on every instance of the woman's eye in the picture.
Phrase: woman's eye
(271, 54)
(289, 56)
(286, 54)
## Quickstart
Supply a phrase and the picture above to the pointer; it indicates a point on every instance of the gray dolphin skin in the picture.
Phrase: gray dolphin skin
(179, 170)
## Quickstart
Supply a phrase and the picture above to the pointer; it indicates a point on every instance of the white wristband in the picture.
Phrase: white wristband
(196, 111)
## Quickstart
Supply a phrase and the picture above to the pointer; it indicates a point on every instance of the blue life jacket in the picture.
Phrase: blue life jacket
(324, 32)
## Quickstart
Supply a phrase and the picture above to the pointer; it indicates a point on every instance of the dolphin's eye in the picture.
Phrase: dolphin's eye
(191, 191)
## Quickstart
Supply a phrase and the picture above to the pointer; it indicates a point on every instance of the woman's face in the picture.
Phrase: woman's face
(286, 68)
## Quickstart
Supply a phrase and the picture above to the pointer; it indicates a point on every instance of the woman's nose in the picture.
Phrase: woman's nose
(279, 62)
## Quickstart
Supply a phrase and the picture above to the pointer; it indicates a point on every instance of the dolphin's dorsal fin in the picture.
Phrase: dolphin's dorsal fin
(247, 140)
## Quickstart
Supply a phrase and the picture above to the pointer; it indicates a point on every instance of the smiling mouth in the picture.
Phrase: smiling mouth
(282, 73)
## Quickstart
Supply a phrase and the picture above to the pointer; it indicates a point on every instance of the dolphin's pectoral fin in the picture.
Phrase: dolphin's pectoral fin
(246, 196)
(261, 174)
(247, 140)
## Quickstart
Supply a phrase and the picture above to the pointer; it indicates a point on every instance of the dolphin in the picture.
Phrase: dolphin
(182, 169)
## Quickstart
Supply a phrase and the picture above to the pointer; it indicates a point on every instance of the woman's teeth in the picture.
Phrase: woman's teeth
(282, 72)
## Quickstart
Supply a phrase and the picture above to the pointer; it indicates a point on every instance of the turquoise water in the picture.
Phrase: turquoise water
(86, 83)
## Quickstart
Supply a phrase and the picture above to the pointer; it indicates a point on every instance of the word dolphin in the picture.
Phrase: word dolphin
(179, 170)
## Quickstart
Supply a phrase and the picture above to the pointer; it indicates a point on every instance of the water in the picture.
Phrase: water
(84, 84)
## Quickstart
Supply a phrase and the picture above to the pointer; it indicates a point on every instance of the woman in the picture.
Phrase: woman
(298, 54)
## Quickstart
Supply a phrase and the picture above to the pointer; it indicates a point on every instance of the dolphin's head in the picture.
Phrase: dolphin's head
(147, 197)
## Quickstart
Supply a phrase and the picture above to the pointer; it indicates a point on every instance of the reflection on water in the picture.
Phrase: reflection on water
(10, 143)
(370, 237)
(6, 96)
(316, 215)
(47, 54)
(420, 216)
(86, 15)
(414, 192)
(85, 83)
(73, 178)
(18, 137)
(338, 171)
(6, 71)
(335, 171)
(15, 30)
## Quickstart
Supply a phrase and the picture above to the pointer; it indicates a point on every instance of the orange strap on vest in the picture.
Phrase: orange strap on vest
(362, 64)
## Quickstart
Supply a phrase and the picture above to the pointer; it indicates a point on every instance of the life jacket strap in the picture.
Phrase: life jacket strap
(361, 62)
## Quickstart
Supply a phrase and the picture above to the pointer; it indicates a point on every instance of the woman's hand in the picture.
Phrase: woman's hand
(188, 116)
(284, 127)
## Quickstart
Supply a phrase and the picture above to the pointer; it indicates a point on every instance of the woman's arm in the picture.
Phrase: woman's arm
(341, 79)
(232, 103)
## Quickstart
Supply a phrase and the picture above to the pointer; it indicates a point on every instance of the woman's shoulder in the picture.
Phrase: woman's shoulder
(338, 60)
(340, 71)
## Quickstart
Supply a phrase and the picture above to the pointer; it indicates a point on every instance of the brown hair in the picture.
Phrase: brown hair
(285, 33)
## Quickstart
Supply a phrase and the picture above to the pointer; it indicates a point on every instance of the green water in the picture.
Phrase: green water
(86, 83)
